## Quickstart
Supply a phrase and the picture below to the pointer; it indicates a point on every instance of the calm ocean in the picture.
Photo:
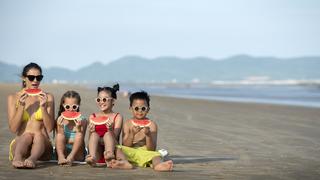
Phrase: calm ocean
(296, 95)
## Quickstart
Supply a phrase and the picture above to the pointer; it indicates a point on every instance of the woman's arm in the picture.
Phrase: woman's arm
(117, 128)
(15, 113)
(47, 108)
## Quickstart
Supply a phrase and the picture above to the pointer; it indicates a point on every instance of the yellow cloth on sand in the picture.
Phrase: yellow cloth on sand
(139, 156)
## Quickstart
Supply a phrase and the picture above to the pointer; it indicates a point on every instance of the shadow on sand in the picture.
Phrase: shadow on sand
(199, 159)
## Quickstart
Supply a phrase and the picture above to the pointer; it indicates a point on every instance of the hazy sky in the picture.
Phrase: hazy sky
(74, 33)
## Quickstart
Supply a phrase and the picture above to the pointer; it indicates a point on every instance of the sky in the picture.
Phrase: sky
(76, 33)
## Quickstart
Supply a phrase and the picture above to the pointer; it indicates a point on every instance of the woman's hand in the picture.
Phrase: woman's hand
(78, 123)
(43, 99)
(22, 96)
(135, 129)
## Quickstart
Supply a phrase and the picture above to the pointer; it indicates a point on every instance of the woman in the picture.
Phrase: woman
(31, 118)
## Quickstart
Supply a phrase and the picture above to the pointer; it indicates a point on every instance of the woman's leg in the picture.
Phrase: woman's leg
(21, 149)
(93, 149)
(109, 146)
(37, 149)
(121, 162)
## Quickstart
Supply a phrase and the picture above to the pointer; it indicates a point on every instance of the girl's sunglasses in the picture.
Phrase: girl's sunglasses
(142, 108)
(32, 77)
(71, 107)
(103, 99)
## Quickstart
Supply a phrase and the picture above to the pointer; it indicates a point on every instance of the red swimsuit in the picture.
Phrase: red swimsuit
(102, 129)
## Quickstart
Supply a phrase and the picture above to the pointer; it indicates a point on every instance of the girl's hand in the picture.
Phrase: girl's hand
(78, 124)
(92, 127)
(109, 124)
(60, 121)
(146, 130)
(22, 96)
(43, 99)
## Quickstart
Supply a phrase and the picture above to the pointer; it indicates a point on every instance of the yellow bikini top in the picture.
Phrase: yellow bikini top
(26, 115)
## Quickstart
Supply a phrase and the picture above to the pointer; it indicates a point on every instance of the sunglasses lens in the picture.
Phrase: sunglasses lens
(74, 107)
(67, 107)
(136, 108)
(31, 77)
(143, 109)
(98, 100)
(39, 78)
(104, 99)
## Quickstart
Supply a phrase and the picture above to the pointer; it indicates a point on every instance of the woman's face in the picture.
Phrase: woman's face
(70, 104)
(104, 101)
(33, 78)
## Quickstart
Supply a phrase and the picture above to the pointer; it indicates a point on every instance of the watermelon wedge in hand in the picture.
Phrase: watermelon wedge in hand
(99, 120)
(141, 122)
(70, 115)
(33, 92)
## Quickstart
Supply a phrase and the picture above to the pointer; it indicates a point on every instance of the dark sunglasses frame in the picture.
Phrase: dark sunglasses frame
(32, 77)
(73, 106)
(142, 108)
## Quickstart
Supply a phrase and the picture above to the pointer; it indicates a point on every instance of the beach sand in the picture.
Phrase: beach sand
(205, 139)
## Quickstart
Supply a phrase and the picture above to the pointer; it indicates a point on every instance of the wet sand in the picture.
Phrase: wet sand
(206, 140)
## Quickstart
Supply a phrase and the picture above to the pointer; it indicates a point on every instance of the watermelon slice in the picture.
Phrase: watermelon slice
(70, 115)
(99, 120)
(141, 122)
(33, 92)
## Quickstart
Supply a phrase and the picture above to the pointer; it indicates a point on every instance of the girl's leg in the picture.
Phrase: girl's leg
(158, 165)
(93, 148)
(37, 149)
(21, 149)
(61, 148)
(109, 146)
(77, 145)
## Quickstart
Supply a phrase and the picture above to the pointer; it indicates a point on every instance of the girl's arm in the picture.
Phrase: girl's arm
(151, 136)
(15, 113)
(117, 128)
(47, 108)
(127, 135)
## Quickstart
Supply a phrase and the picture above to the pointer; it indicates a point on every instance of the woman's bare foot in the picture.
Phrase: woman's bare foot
(17, 163)
(164, 166)
(90, 160)
(120, 164)
(29, 163)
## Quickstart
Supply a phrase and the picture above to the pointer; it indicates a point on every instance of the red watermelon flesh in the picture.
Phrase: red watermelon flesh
(33, 92)
(141, 122)
(99, 120)
(70, 115)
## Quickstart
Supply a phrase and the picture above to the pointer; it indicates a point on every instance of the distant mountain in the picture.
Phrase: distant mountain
(174, 69)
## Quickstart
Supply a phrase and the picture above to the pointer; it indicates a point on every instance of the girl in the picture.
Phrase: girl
(31, 118)
(103, 138)
(70, 134)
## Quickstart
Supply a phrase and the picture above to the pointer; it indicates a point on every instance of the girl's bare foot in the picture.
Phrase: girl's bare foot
(17, 163)
(108, 155)
(164, 166)
(90, 160)
(120, 164)
(69, 161)
(62, 161)
(29, 163)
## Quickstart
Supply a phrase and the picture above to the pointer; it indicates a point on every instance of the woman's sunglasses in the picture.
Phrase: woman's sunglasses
(103, 99)
(142, 108)
(71, 107)
(32, 77)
